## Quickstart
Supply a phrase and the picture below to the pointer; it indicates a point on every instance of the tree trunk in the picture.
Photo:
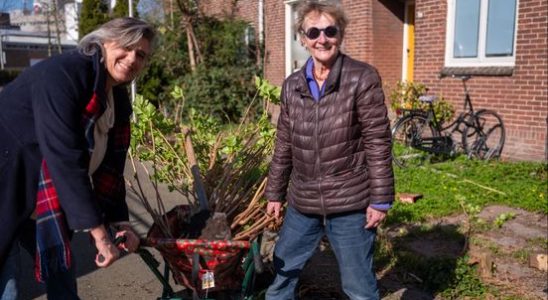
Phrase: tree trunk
(190, 48)
(57, 30)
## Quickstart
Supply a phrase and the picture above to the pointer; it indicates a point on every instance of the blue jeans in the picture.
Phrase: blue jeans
(352, 244)
(60, 285)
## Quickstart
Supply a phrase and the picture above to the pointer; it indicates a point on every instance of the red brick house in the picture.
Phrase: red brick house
(503, 44)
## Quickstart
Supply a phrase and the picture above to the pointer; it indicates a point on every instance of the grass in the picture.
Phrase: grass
(516, 184)
(444, 186)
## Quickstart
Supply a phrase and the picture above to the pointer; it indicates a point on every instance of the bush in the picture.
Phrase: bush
(405, 96)
(224, 92)
(221, 85)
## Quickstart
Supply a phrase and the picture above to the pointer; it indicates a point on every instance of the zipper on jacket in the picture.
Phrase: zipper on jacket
(318, 162)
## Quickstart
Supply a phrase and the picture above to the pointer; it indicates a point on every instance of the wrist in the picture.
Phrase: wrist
(100, 234)
(119, 226)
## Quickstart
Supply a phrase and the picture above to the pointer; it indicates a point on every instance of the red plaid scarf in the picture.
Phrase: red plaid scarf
(52, 232)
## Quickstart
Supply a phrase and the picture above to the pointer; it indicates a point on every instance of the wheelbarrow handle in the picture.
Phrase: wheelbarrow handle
(195, 170)
(117, 241)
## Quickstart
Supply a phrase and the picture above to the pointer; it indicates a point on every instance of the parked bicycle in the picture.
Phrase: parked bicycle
(419, 136)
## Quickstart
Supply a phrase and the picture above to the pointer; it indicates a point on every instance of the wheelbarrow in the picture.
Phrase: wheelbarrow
(204, 266)
(220, 268)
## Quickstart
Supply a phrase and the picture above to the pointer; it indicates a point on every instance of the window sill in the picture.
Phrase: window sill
(477, 71)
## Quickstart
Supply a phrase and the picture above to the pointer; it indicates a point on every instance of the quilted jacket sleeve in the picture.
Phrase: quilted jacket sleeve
(375, 130)
(281, 165)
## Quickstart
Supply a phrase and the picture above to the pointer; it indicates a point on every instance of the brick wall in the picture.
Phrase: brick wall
(243, 9)
(358, 41)
(521, 99)
(274, 69)
(375, 35)
(248, 11)
(217, 8)
(388, 18)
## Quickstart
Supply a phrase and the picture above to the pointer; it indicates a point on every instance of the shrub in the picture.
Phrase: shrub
(222, 85)
(405, 96)
(224, 92)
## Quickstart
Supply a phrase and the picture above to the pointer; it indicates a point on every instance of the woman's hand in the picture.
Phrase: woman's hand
(131, 244)
(374, 217)
(274, 207)
(107, 253)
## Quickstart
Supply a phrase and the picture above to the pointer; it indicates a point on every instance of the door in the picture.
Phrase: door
(409, 42)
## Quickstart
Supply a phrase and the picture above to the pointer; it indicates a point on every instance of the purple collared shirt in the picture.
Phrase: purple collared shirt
(315, 90)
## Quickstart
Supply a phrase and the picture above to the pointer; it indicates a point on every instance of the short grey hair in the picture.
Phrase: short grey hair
(330, 7)
(126, 32)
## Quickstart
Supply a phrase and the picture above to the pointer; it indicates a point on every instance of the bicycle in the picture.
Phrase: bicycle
(419, 136)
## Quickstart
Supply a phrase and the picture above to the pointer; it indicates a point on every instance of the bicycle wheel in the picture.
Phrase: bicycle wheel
(484, 138)
(407, 138)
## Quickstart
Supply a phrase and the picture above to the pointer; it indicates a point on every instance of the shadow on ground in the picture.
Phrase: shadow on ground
(412, 263)
(416, 262)
(84, 254)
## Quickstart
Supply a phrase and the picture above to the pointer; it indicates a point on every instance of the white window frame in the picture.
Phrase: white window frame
(481, 60)
(289, 32)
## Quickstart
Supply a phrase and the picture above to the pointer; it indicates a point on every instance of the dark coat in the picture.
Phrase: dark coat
(41, 118)
(333, 155)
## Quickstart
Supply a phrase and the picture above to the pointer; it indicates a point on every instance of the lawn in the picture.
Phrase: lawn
(479, 183)
(449, 188)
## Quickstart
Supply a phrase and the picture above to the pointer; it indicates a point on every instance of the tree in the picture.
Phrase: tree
(189, 14)
(93, 14)
(216, 71)
(121, 9)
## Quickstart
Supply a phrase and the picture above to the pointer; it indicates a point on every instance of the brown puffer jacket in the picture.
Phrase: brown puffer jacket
(334, 155)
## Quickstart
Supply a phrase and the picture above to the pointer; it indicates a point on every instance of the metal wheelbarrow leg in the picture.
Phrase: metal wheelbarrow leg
(153, 265)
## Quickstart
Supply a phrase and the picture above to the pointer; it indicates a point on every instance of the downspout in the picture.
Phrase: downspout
(259, 45)
(260, 14)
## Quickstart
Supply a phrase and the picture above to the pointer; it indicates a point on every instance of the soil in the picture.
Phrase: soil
(505, 249)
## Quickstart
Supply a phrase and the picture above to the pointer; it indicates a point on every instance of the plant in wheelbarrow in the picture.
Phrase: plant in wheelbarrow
(210, 244)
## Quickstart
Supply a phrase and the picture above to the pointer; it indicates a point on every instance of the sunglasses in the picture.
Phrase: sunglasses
(314, 32)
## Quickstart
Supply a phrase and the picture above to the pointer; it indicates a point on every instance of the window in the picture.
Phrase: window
(481, 33)
(295, 54)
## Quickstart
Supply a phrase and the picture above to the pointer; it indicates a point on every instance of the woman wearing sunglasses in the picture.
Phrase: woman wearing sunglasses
(332, 161)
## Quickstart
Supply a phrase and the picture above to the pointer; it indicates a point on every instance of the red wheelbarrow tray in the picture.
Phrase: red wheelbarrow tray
(222, 257)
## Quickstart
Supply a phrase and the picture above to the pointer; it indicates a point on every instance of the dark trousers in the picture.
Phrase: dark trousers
(59, 285)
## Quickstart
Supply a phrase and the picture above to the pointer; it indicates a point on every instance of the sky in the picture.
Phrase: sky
(145, 6)
(7, 5)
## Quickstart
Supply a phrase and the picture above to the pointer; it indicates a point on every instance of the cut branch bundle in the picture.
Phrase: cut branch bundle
(233, 183)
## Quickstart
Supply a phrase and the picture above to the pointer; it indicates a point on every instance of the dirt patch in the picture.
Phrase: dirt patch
(507, 247)
(510, 247)
(321, 278)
